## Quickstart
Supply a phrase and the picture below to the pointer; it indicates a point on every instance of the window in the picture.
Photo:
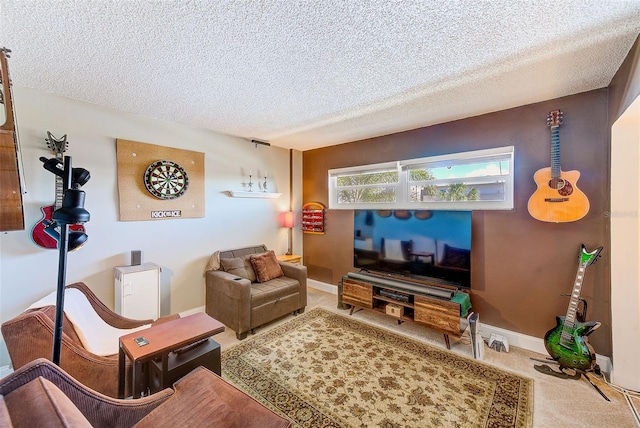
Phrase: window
(480, 179)
(366, 186)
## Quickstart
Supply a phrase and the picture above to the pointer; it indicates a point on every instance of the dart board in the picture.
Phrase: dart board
(166, 179)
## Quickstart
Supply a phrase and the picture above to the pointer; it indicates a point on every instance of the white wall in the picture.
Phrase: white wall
(625, 247)
(181, 247)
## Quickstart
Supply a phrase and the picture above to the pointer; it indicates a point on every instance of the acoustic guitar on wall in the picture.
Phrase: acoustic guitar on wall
(557, 198)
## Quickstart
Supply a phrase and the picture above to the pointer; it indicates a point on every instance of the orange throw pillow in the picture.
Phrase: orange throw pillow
(266, 266)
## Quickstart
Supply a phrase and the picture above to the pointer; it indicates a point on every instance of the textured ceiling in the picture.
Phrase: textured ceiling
(307, 74)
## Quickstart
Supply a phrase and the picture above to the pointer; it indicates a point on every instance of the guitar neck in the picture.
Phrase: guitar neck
(555, 151)
(59, 186)
(566, 337)
(575, 296)
(7, 99)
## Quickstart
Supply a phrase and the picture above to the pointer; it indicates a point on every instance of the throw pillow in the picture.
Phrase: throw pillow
(266, 266)
(240, 266)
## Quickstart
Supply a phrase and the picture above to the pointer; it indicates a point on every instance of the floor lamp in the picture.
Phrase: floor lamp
(71, 212)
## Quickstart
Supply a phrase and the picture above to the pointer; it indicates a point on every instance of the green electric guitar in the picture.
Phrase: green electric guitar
(567, 341)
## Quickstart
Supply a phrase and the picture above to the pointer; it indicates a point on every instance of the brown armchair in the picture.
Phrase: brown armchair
(30, 336)
(236, 297)
(42, 394)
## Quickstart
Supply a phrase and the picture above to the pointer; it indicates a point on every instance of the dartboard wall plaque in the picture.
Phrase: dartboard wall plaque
(165, 179)
(159, 183)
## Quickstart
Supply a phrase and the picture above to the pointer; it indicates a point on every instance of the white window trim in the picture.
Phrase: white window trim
(402, 201)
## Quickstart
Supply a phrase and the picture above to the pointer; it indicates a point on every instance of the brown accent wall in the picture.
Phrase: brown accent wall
(520, 266)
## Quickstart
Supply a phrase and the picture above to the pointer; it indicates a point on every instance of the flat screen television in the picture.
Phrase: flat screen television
(432, 244)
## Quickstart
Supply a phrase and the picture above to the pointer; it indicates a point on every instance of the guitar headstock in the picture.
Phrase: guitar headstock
(57, 146)
(588, 258)
(554, 118)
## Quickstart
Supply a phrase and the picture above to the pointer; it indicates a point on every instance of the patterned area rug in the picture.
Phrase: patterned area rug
(323, 369)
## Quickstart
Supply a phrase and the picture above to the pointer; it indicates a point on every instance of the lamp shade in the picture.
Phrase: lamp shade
(288, 219)
(72, 210)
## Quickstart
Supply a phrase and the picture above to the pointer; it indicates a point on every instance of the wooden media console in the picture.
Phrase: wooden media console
(436, 306)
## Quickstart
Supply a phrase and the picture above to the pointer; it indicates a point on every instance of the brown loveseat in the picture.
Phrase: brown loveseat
(30, 335)
(41, 394)
(236, 297)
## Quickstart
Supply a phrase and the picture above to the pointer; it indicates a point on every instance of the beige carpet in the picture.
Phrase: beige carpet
(324, 369)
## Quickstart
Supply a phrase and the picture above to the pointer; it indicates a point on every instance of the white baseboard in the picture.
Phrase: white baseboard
(519, 340)
(191, 311)
(534, 344)
(516, 339)
(322, 286)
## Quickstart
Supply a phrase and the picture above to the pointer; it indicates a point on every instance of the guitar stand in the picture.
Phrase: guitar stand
(542, 368)
(595, 386)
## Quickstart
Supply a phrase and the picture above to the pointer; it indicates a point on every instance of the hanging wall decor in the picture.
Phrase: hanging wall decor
(313, 218)
(159, 183)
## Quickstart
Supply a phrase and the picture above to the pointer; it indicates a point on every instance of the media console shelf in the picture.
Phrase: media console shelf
(436, 306)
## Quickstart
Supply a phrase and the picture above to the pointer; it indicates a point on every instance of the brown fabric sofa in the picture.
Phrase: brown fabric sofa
(41, 394)
(236, 298)
(30, 335)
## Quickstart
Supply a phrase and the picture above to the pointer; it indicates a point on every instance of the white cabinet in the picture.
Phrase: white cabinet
(137, 291)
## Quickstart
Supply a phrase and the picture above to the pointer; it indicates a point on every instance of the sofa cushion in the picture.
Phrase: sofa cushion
(240, 266)
(275, 289)
(239, 252)
(266, 266)
(49, 406)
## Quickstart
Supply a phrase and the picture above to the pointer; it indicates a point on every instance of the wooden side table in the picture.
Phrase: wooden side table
(161, 340)
(205, 353)
(291, 258)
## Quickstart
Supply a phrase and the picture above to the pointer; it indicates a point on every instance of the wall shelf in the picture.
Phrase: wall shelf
(267, 195)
